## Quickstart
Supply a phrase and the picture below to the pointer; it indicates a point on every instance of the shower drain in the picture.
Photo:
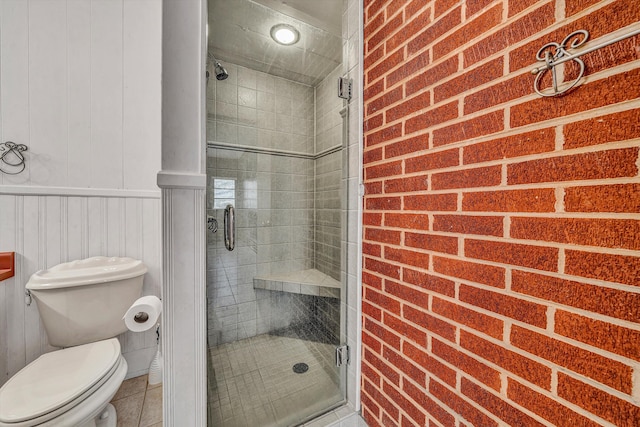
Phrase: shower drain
(300, 368)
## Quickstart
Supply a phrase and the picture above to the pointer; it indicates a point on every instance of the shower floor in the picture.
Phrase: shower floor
(252, 383)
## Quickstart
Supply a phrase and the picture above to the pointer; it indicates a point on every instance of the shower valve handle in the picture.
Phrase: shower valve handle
(212, 224)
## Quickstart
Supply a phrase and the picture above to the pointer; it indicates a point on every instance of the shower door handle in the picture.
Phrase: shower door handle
(229, 228)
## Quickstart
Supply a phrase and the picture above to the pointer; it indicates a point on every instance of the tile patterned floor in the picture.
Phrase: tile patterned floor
(252, 383)
(138, 404)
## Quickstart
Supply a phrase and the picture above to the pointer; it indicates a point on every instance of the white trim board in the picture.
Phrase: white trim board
(183, 180)
(31, 190)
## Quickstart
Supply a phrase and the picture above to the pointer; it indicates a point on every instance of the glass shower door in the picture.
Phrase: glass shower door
(275, 153)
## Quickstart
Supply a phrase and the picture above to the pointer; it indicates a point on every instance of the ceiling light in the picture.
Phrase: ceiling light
(285, 34)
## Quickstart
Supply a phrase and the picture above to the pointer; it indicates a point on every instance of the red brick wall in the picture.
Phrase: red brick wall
(501, 230)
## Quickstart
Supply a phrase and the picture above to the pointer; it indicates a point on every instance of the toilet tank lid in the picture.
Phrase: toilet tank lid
(88, 271)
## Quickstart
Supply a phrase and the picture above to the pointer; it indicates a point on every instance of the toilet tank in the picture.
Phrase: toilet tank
(84, 301)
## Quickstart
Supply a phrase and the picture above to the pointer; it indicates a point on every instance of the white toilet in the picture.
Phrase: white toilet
(81, 304)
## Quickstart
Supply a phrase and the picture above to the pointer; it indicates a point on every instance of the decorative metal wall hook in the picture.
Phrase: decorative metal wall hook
(554, 54)
(12, 161)
(550, 53)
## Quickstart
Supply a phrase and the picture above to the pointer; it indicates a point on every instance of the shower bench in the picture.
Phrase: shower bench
(306, 282)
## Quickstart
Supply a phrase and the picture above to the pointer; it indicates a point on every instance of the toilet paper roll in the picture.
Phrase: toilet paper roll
(143, 314)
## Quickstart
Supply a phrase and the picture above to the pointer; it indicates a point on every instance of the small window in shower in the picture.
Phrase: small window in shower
(224, 193)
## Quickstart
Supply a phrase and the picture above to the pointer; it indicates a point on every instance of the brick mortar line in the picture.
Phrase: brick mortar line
(500, 79)
(499, 188)
(582, 280)
(549, 394)
(529, 298)
(595, 384)
(507, 345)
(394, 31)
(381, 10)
(430, 376)
(405, 22)
(503, 396)
(596, 148)
(573, 407)
(406, 396)
(422, 387)
(535, 185)
(370, 366)
(429, 25)
(502, 25)
(463, 71)
(545, 31)
(631, 363)
(380, 407)
(619, 107)
(560, 10)
(570, 405)
(570, 118)
(471, 402)
(594, 8)
(451, 411)
(524, 242)
(510, 293)
(511, 47)
(560, 121)
(511, 214)
(601, 75)
(636, 384)
(553, 184)
(551, 244)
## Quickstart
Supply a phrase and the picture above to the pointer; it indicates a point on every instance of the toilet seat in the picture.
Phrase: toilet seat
(58, 382)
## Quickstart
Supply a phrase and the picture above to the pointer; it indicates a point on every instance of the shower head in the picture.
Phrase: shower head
(221, 73)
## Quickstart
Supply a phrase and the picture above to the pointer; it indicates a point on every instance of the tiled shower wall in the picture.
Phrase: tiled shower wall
(256, 109)
(501, 249)
(328, 175)
(268, 240)
(273, 196)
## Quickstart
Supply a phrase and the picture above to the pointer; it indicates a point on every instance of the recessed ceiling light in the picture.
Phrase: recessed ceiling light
(285, 34)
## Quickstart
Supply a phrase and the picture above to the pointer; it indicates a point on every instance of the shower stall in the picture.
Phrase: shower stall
(276, 209)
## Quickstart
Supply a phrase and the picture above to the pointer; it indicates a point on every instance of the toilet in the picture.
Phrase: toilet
(81, 304)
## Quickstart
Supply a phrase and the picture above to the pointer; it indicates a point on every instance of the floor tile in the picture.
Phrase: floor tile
(152, 408)
(131, 386)
(150, 386)
(252, 381)
(129, 409)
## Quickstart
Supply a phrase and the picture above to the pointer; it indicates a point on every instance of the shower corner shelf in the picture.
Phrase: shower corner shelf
(305, 282)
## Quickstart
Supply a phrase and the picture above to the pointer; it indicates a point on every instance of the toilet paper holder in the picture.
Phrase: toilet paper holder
(143, 314)
(141, 317)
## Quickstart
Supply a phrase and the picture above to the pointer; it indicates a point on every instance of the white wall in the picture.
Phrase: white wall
(80, 86)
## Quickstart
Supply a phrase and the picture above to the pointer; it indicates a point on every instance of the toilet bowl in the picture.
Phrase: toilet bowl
(81, 305)
(67, 387)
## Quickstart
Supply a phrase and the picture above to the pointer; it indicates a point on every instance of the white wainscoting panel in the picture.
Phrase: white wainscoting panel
(47, 230)
(80, 86)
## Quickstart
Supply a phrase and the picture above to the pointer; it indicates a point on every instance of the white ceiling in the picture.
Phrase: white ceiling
(239, 32)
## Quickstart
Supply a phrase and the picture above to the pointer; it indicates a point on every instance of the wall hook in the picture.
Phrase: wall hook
(551, 53)
(554, 54)
(12, 161)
